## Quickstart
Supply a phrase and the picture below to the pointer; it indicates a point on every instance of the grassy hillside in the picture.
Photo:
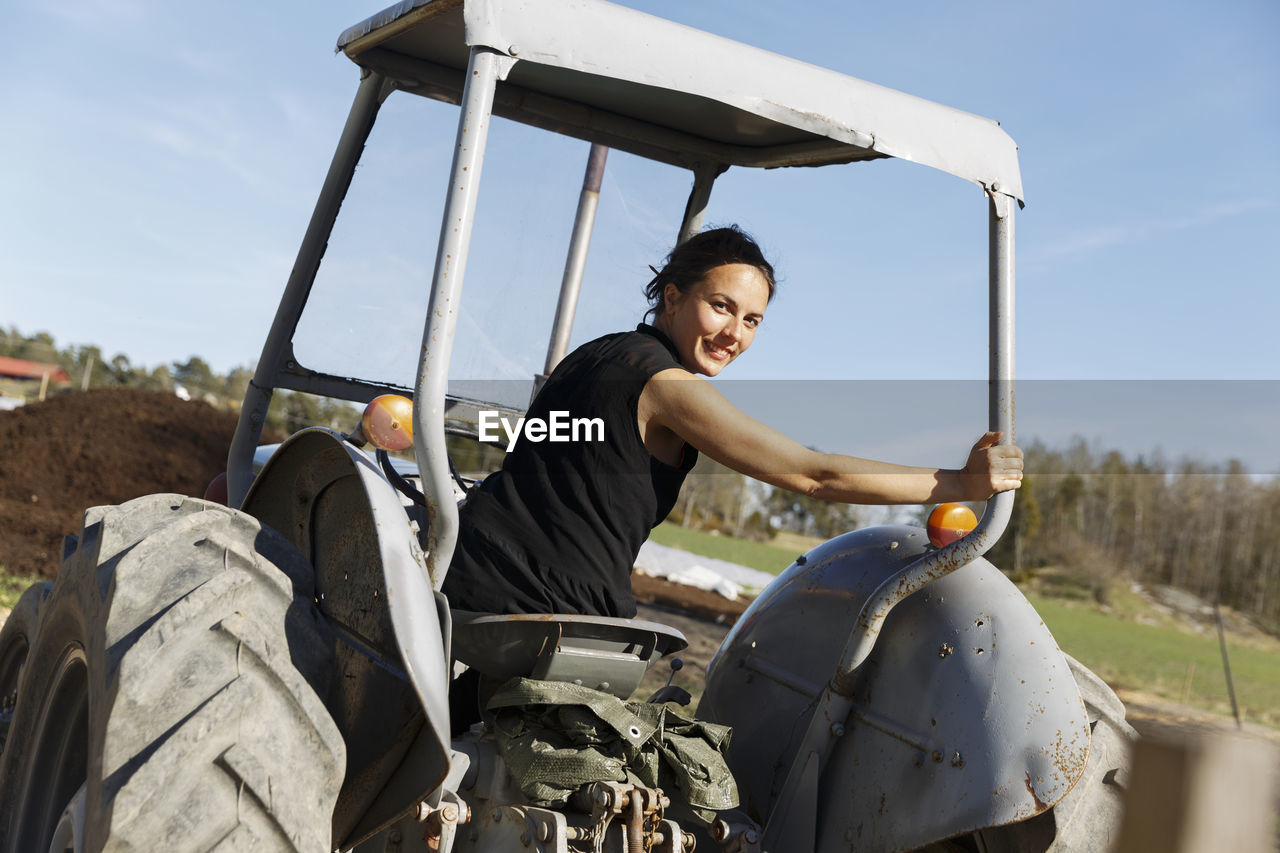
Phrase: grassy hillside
(1174, 663)
(756, 555)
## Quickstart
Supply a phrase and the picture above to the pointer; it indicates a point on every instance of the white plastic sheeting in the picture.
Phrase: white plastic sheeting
(727, 579)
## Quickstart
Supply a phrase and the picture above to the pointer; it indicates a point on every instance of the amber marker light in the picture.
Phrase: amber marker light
(387, 422)
(949, 522)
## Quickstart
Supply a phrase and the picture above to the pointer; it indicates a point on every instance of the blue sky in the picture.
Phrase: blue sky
(161, 160)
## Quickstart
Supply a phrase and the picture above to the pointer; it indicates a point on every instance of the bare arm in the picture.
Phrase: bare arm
(689, 407)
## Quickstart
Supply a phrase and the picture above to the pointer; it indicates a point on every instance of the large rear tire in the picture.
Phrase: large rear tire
(15, 644)
(176, 674)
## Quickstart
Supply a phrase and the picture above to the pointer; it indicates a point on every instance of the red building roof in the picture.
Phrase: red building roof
(16, 368)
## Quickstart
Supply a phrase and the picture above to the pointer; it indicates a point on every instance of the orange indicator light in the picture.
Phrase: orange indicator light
(949, 522)
(388, 422)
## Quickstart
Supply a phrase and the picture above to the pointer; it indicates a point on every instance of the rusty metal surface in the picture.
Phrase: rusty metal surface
(989, 732)
(929, 566)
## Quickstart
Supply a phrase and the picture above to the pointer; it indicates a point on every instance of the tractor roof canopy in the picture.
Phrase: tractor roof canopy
(638, 83)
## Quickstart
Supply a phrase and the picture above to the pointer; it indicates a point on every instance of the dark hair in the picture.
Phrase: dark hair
(689, 263)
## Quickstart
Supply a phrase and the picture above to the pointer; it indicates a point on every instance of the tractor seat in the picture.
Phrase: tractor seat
(600, 652)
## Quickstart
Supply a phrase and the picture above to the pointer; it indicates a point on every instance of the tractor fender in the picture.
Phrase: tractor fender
(334, 504)
(965, 715)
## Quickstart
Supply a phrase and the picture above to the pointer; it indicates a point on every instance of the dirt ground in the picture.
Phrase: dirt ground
(105, 447)
(97, 447)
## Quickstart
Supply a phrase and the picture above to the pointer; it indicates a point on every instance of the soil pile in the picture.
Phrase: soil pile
(98, 447)
(699, 602)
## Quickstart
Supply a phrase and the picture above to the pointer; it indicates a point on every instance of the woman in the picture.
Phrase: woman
(557, 529)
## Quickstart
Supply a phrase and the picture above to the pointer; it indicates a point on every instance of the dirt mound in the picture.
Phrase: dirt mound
(700, 602)
(97, 447)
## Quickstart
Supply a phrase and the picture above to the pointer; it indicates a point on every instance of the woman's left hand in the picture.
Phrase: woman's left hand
(992, 468)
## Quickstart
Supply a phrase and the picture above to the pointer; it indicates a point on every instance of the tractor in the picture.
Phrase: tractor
(273, 672)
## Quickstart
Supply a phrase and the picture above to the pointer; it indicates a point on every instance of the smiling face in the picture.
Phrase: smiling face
(716, 319)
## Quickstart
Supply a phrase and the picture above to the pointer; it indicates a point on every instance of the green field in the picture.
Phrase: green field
(1157, 659)
(755, 555)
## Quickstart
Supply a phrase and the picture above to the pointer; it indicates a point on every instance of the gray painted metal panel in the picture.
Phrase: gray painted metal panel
(599, 124)
(704, 178)
(586, 52)
(290, 484)
(1013, 712)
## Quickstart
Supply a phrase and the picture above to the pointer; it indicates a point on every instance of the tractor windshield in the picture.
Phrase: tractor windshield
(857, 301)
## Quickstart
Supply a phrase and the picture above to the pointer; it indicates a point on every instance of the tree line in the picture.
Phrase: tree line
(89, 368)
(1213, 530)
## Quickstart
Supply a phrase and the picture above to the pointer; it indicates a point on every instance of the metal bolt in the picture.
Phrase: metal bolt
(945, 649)
(957, 760)
(750, 836)
(449, 813)
(937, 756)
(514, 50)
(837, 729)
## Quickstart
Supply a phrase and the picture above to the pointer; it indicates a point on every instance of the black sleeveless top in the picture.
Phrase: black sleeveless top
(557, 529)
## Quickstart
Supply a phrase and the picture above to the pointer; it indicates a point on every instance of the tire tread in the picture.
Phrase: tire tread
(208, 662)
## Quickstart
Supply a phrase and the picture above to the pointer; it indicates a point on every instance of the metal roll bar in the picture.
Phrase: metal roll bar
(374, 89)
(483, 71)
(793, 817)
